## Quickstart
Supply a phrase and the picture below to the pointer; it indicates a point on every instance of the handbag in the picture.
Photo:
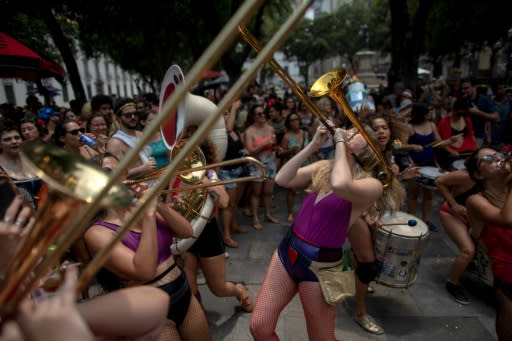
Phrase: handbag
(335, 283)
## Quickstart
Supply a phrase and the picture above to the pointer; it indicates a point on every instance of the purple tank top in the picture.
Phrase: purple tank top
(324, 224)
(131, 239)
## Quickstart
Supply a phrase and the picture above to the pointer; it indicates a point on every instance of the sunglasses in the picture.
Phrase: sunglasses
(490, 158)
(259, 113)
(76, 131)
(129, 114)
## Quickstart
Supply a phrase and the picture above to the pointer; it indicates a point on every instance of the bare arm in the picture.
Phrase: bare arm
(231, 117)
(291, 174)
(481, 212)
(177, 223)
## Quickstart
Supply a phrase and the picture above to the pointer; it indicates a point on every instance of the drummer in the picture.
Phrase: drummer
(456, 187)
(422, 135)
(459, 124)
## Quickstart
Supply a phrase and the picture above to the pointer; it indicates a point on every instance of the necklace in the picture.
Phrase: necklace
(497, 199)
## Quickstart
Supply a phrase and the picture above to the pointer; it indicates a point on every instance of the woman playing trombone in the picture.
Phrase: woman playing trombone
(339, 192)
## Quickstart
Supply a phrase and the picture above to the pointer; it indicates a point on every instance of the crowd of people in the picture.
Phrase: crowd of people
(436, 126)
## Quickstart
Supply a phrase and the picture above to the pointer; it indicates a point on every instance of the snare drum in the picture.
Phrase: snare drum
(428, 176)
(459, 164)
(398, 248)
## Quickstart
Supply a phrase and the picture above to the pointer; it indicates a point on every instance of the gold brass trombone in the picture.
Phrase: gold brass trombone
(385, 174)
(331, 84)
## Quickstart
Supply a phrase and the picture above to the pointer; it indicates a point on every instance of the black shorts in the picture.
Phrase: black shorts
(180, 294)
(210, 242)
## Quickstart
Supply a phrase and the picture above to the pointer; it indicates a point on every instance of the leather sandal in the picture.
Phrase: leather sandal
(368, 323)
(245, 298)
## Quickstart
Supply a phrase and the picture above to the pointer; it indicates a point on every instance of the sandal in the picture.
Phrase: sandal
(245, 298)
(369, 324)
(230, 243)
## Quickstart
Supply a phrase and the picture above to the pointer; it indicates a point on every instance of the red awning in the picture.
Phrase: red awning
(19, 61)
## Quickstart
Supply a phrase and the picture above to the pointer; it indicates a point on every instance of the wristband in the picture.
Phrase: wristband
(339, 141)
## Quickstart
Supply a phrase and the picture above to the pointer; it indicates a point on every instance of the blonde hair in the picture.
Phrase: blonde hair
(392, 196)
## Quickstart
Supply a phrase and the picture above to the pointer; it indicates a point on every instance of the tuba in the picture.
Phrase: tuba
(195, 205)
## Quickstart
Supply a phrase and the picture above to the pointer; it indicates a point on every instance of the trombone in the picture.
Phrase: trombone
(194, 175)
(328, 84)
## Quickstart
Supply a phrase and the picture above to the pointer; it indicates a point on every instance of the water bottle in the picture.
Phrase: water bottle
(88, 141)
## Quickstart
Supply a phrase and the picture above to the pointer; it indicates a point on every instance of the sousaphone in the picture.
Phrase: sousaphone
(195, 205)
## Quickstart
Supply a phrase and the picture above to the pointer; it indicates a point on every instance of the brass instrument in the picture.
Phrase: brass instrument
(72, 183)
(206, 61)
(331, 84)
(255, 44)
(77, 215)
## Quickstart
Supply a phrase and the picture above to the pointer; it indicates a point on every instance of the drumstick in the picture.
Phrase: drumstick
(410, 222)
(437, 144)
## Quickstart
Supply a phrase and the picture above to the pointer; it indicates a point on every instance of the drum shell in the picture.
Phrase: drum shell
(428, 176)
(398, 253)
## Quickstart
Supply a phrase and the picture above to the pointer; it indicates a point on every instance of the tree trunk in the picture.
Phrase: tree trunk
(63, 45)
(407, 41)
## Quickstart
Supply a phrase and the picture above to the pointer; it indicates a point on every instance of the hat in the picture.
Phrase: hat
(405, 103)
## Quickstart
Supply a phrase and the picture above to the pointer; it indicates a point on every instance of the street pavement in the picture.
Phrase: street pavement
(424, 311)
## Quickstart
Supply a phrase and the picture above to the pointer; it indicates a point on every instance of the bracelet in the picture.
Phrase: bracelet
(339, 141)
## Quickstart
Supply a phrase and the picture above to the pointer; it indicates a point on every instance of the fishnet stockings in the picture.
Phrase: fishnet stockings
(277, 290)
(193, 328)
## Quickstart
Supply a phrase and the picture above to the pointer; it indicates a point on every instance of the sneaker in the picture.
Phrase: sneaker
(432, 227)
(457, 293)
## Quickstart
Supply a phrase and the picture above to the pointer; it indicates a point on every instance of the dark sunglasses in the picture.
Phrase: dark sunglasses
(76, 131)
(490, 158)
(259, 113)
(129, 114)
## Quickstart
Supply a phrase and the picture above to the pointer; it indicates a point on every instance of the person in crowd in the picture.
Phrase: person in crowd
(13, 165)
(481, 110)
(458, 125)
(97, 128)
(158, 149)
(126, 137)
(503, 106)
(339, 192)
(293, 141)
(306, 118)
(30, 130)
(490, 219)
(144, 257)
(235, 150)
(136, 312)
(260, 140)
(104, 104)
(290, 105)
(207, 252)
(67, 135)
(422, 135)
(48, 118)
(331, 110)
(277, 120)
(456, 187)
(360, 235)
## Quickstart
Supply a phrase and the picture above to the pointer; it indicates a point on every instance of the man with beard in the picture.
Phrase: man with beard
(126, 137)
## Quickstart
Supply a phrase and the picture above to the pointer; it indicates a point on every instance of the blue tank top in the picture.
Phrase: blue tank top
(160, 153)
(426, 156)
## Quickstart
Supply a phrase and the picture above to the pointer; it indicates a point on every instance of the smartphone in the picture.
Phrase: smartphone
(8, 192)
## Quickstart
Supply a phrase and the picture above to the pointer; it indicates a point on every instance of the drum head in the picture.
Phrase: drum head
(430, 172)
(459, 164)
(402, 227)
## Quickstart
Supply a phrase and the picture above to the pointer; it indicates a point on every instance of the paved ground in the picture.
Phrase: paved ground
(424, 311)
